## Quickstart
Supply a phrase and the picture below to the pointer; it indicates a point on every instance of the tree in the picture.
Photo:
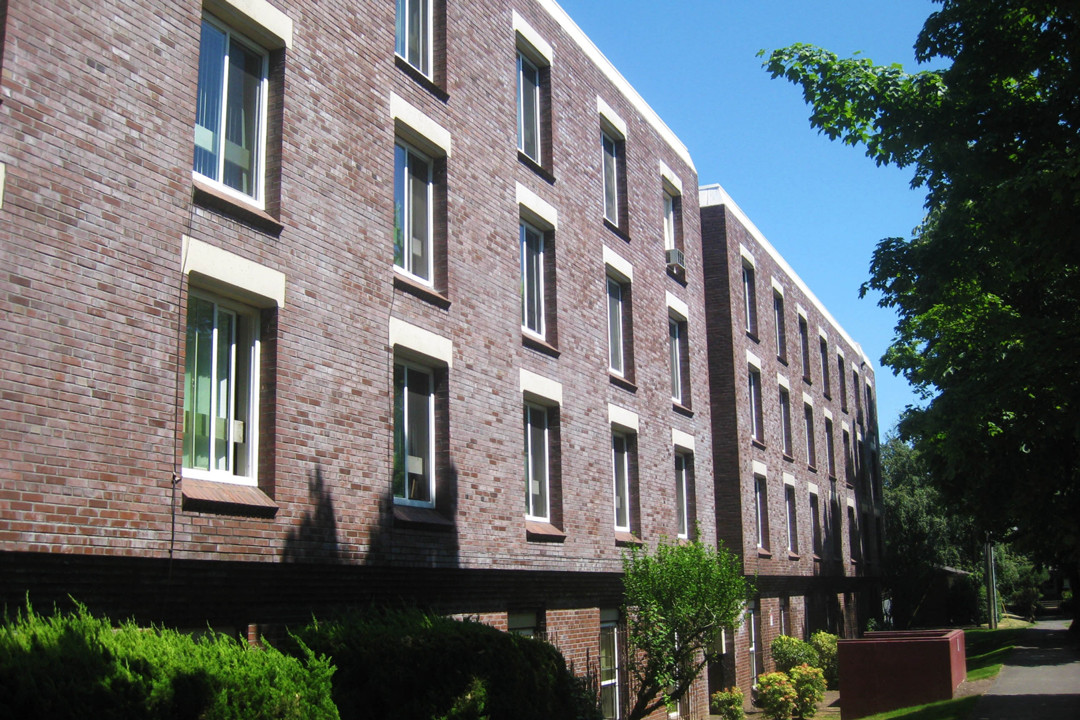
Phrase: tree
(679, 599)
(987, 290)
(924, 536)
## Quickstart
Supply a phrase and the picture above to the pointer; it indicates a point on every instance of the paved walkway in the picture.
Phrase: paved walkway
(1040, 679)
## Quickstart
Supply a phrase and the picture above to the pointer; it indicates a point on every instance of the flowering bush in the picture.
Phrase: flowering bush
(776, 695)
(728, 704)
(809, 684)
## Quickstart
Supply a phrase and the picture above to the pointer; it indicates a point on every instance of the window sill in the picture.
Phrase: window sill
(536, 167)
(622, 382)
(617, 230)
(827, 394)
(807, 379)
(226, 498)
(782, 359)
(418, 518)
(788, 458)
(792, 555)
(207, 195)
(538, 531)
(627, 539)
(757, 443)
(424, 81)
(677, 273)
(811, 468)
(752, 334)
(682, 409)
(539, 345)
(425, 293)
(763, 553)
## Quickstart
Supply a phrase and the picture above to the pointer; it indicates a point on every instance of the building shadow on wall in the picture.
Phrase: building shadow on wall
(315, 539)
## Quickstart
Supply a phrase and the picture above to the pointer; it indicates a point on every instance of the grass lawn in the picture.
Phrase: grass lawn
(986, 649)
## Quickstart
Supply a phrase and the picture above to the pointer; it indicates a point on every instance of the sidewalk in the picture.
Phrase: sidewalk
(1040, 679)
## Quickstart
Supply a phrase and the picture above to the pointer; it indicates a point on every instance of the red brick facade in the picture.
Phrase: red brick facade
(107, 237)
(812, 580)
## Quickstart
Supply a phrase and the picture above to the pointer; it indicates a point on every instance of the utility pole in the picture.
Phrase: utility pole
(991, 586)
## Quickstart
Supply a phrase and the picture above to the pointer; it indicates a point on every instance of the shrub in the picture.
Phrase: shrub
(76, 665)
(728, 704)
(787, 652)
(776, 695)
(407, 664)
(825, 644)
(809, 684)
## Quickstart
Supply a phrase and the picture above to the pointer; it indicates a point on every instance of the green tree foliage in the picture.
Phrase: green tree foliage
(678, 600)
(825, 644)
(987, 290)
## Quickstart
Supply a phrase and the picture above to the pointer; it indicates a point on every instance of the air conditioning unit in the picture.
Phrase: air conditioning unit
(675, 259)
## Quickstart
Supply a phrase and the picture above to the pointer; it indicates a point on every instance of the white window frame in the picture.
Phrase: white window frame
(610, 685)
(682, 502)
(620, 465)
(616, 325)
(791, 519)
(830, 452)
(523, 64)
(610, 176)
(534, 301)
(404, 226)
(406, 423)
(811, 444)
(426, 36)
(238, 421)
(531, 512)
(757, 416)
(669, 220)
(217, 136)
(761, 510)
(676, 338)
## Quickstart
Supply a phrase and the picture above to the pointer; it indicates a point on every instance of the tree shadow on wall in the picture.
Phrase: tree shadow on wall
(315, 538)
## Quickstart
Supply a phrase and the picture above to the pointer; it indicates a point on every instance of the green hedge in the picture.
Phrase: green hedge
(79, 666)
(405, 664)
(789, 652)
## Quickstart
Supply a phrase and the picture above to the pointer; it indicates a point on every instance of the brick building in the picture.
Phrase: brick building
(795, 444)
(293, 291)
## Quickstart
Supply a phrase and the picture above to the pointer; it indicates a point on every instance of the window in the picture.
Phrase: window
(680, 391)
(848, 474)
(413, 203)
(761, 512)
(755, 648)
(871, 413)
(220, 390)
(669, 220)
(781, 328)
(842, 379)
(757, 422)
(618, 317)
(414, 435)
(824, 345)
(749, 299)
(811, 452)
(792, 525)
(230, 114)
(526, 624)
(611, 164)
(682, 488)
(830, 453)
(785, 421)
(785, 616)
(528, 77)
(610, 666)
(532, 279)
(620, 462)
(804, 340)
(414, 34)
(537, 475)
(815, 523)
(858, 396)
(853, 535)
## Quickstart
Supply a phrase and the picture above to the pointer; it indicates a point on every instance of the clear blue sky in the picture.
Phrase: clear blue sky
(823, 205)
